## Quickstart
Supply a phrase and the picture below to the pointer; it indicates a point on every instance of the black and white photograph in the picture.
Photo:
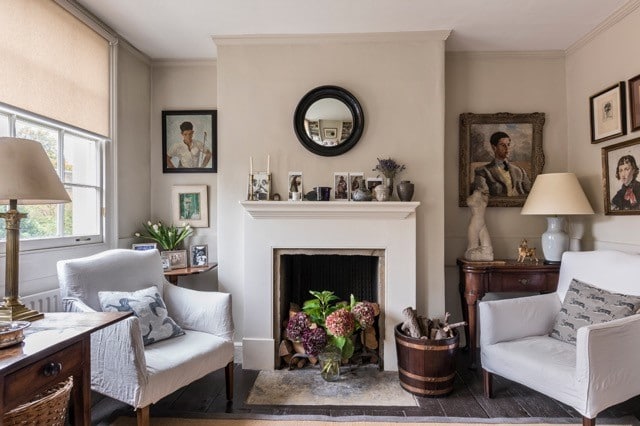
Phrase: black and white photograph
(199, 255)
(260, 186)
(144, 246)
(341, 186)
(295, 186)
(177, 258)
(355, 180)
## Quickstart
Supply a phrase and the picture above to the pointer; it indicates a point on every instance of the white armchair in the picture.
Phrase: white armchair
(121, 366)
(601, 370)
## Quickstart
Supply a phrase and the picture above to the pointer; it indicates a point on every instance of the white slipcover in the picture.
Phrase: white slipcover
(601, 370)
(121, 367)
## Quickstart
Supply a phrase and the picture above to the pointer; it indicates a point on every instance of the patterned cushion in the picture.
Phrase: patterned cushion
(148, 306)
(585, 305)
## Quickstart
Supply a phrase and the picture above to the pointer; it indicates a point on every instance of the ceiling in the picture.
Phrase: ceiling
(182, 29)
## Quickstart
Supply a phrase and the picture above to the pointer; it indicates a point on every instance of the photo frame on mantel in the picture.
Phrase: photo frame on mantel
(520, 135)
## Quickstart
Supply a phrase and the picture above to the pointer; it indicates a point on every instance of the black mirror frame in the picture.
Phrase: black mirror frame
(334, 92)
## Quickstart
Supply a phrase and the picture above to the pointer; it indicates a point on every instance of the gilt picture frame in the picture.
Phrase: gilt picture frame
(189, 141)
(476, 153)
(621, 189)
(608, 113)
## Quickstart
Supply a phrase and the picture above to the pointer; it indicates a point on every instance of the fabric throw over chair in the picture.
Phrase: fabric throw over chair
(586, 362)
(199, 327)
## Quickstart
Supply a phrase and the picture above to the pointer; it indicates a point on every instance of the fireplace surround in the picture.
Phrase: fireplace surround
(270, 226)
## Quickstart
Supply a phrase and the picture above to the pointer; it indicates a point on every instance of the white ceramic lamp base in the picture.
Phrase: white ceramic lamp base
(554, 241)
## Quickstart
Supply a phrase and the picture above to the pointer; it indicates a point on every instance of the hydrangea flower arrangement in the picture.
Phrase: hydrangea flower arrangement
(388, 167)
(169, 237)
(324, 321)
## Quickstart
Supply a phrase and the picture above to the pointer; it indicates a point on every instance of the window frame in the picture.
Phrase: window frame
(63, 129)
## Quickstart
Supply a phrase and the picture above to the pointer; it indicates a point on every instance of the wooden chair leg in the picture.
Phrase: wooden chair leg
(228, 378)
(586, 421)
(143, 416)
(487, 381)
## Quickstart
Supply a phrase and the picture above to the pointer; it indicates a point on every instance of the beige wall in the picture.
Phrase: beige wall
(595, 65)
(488, 83)
(183, 86)
(400, 84)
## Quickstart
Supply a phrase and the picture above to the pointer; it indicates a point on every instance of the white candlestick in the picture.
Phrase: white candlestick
(250, 165)
(268, 163)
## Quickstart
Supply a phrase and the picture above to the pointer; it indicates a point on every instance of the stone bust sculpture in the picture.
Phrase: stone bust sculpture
(479, 242)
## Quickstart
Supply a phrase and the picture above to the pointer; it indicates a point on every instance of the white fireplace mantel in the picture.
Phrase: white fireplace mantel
(329, 209)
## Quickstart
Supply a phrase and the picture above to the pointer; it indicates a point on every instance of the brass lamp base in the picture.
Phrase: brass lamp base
(18, 312)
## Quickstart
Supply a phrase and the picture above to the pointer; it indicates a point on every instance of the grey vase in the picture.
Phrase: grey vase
(405, 190)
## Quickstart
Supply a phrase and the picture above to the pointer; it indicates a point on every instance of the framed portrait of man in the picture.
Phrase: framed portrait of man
(189, 141)
(190, 205)
(620, 178)
(501, 155)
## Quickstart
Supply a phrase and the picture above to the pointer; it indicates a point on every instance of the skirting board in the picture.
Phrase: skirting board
(262, 347)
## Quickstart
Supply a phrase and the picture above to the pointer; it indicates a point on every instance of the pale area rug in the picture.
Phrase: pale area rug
(365, 386)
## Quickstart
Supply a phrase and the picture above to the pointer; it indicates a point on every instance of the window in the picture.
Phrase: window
(77, 156)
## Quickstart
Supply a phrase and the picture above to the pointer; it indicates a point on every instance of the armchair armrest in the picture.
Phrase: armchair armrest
(606, 362)
(509, 319)
(73, 304)
(205, 311)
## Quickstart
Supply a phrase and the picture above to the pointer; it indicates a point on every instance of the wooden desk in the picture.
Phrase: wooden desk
(479, 278)
(54, 348)
(173, 274)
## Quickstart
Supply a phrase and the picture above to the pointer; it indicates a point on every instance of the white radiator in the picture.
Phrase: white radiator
(47, 301)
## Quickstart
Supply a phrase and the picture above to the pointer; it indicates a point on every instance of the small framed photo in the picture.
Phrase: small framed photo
(190, 205)
(341, 186)
(355, 180)
(199, 255)
(177, 258)
(634, 100)
(373, 182)
(608, 113)
(330, 133)
(259, 186)
(620, 178)
(296, 191)
(189, 141)
(166, 262)
(144, 246)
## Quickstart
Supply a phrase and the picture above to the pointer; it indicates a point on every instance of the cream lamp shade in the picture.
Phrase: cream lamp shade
(554, 195)
(26, 177)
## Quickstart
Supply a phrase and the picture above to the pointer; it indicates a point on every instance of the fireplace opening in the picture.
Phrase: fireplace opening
(343, 271)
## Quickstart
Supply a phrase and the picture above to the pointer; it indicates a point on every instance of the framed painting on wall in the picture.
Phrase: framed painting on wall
(608, 113)
(189, 141)
(634, 100)
(621, 188)
(190, 205)
(500, 154)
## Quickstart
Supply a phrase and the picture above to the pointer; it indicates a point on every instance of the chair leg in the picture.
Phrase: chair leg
(143, 416)
(228, 378)
(586, 421)
(487, 381)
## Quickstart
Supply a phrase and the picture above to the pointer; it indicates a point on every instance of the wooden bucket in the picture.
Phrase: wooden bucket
(426, 367)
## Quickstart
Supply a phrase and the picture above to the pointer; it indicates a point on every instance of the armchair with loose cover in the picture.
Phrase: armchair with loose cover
(600, 370)
(122, 367)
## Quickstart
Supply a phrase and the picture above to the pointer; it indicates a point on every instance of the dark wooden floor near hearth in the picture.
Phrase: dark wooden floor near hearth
(207, 397)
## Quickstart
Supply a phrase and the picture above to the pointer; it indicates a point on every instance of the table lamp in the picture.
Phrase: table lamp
(555, 195)
(26, 177)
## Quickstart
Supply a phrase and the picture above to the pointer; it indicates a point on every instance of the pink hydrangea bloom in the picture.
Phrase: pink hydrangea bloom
(364, 313)
(341, 323)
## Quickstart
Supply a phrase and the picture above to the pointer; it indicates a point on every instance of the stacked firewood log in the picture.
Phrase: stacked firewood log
(420, 327)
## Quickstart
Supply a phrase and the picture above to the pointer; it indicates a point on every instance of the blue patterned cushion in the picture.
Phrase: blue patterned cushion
(148, 306)
(585, 305)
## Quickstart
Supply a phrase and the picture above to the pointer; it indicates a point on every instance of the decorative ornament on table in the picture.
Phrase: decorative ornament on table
(362, 193)
(168, 237)
(405, 190)
(389, 168)
(479, 242)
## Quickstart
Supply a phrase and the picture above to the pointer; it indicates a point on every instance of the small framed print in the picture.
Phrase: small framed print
(177, 258)
(341, 186)
(199, 255)
(144, 246)
(295, 186)
(190, 205)
(634, 100)
(620, 178)
(373, 182)
(330, 133)
(166, 262)
(259, 186)
(355, 180)
(608, 113)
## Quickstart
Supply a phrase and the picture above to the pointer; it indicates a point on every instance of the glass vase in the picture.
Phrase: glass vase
(330, 360)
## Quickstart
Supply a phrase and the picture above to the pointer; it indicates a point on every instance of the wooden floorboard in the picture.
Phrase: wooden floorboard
(207, 397)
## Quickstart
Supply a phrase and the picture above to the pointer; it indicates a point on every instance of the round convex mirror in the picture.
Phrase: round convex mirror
(328, 121)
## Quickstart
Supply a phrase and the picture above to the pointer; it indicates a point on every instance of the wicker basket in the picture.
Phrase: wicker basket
(47, 408)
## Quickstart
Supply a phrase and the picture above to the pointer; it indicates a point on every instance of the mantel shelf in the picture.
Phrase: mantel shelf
(329, 209)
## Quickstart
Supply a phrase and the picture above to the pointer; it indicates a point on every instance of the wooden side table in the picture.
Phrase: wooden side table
(174, 274)
(54, 348)
(479, 278)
